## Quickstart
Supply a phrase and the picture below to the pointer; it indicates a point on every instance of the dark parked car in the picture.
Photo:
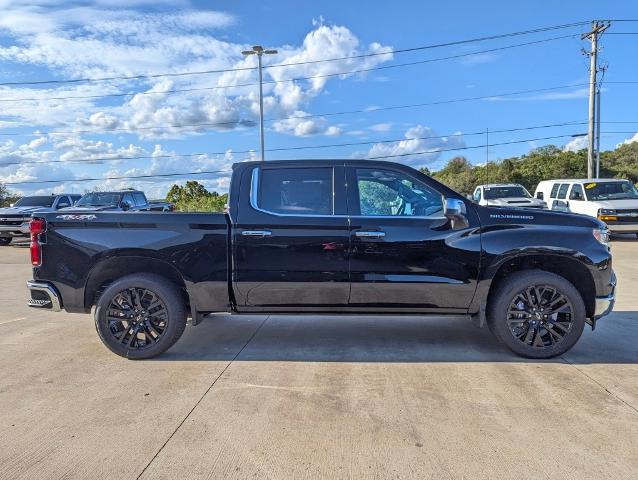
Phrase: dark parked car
(329, 237)
(124, 201)
(14, 220)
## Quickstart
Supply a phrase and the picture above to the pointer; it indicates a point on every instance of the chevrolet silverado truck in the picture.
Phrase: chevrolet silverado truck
(327, 236)
(14, 220)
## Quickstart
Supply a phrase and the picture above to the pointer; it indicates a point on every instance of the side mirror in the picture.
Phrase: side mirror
(125, 205)
(455, 210)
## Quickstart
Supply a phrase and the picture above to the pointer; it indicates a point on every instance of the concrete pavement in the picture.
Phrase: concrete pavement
(315, 397)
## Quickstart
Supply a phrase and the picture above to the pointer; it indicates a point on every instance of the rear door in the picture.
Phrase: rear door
(291, 238)
(404, 253)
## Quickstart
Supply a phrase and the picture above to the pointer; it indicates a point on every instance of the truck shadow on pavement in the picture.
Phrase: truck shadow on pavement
(312, 338)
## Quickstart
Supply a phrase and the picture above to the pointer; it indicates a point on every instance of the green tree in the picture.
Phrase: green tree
(194, 197)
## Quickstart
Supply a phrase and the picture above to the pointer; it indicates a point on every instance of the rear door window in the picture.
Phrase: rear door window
(296, 191)
(562, 191)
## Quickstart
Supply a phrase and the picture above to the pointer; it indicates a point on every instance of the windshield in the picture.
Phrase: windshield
(35, 201)
(99, 199)
(611, 191)
(492, 193)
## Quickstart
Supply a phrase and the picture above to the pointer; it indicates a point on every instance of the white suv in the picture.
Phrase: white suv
(506, 195)
(611, 200)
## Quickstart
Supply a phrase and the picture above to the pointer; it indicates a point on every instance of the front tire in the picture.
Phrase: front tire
(536, 314)
(4, 241)
(140, 316)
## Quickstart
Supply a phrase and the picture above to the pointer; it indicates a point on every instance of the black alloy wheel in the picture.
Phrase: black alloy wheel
(140, 316)
(536, 314)
(137, 317)
(540, 316)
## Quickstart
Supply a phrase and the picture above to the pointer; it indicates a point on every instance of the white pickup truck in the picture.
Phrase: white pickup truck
(506, 195)
(611, 200)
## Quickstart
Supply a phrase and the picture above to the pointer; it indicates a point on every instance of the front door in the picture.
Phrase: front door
(405, 254)
(291, 240)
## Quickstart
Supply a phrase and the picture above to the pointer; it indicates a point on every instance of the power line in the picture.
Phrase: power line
(281, 149)
(225, 70)
(205, 172)
(271, 82)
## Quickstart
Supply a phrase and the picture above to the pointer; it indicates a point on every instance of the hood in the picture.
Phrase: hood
(516, 216)
(516, 202)
(26, 211)
(616, 204)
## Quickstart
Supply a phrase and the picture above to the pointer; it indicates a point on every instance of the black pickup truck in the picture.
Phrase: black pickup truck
(327, 236)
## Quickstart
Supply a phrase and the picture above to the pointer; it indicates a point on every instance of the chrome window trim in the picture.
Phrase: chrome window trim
(254, 191)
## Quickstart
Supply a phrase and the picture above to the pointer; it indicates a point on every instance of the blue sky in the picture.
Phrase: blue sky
(112, 38)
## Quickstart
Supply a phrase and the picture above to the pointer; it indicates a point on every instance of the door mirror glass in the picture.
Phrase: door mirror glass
(455, 210)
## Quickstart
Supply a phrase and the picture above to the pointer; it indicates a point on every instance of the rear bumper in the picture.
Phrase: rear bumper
(604, 305)
(44, 296)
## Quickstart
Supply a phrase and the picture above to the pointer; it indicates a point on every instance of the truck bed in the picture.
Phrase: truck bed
(81, 250)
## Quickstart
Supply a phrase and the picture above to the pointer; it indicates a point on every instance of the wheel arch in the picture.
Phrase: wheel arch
(567, 266)
(108, 270)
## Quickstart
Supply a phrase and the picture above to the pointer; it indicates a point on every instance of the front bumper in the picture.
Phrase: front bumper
(604, 305)
(14, 230)
(622, 227)
(44, 296)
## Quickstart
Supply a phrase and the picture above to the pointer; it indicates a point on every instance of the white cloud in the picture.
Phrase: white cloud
(333, 131)
(629, 140)
(421, 146)
(575, 144)
(381, 127)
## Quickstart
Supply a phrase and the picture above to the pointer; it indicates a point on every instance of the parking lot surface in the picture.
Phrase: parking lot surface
(315, 397)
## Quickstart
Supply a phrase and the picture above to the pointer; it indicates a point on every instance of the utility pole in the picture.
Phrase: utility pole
(598, 132)
(597, 29)
(259, 51)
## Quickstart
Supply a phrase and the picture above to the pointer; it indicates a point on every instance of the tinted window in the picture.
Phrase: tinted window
(477, 195)
(296, 191)
(554, 190)
(99, 199)
(562, 191)
(35, 201)
(128, 198)
(64, 202)
(75, 198)
(390, 193)
(140, 201)
(576, 192)
(492, 193)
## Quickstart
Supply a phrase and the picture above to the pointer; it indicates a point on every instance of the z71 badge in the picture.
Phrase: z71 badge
(76, 217)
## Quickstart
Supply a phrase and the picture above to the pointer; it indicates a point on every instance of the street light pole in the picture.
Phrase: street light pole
(259, 51)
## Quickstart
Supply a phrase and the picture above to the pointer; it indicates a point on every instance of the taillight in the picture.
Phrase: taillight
(37, 227)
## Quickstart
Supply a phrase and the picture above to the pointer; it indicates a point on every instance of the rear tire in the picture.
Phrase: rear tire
(140, 316)
(536, 314)
(4, 241)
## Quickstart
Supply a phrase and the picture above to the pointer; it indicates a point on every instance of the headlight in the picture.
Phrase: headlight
(602, 235)
(607, 215)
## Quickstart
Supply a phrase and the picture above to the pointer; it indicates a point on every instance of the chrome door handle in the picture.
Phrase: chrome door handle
(256, 233)
(369, 234)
